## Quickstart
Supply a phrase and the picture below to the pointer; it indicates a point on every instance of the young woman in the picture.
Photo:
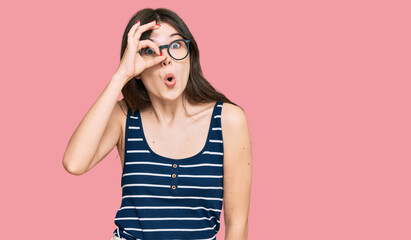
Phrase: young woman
(185, 148)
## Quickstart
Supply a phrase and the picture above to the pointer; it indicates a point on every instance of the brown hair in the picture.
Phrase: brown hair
(198, 89)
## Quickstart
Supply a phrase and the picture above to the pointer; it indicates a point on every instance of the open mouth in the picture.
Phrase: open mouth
(170, 80)
(169, 77)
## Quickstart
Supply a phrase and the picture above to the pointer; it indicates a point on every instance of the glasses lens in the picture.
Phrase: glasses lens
(178, 49)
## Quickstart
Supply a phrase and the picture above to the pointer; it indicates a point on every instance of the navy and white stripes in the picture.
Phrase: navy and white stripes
(165, 198)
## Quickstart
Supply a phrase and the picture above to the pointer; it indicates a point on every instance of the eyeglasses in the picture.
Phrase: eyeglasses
(177, 49)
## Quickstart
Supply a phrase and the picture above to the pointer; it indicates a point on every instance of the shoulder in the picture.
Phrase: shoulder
(232, 117)
(234, 126)
(236, 136)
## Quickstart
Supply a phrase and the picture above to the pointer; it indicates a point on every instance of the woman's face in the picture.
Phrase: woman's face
(153, 78)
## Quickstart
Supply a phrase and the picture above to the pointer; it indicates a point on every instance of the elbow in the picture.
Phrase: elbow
(236, 231)
(70, 168)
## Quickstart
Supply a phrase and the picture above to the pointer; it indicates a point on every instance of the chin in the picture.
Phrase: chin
(171, 95)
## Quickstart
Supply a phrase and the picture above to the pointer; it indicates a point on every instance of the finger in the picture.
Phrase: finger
(133, 29)
(155, 61)
(150, 44)
(144, 28)
(137, 35)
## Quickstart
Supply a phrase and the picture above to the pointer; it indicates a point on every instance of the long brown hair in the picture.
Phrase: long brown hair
(198, 89)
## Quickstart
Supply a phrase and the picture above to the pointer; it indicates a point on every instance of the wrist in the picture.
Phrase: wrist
(118, 81)
(119, 78)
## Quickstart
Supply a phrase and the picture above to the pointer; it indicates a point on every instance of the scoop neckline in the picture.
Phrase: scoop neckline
(177, 159)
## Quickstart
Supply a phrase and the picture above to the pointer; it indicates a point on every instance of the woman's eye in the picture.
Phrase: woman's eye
(175, 45)
(149, 51)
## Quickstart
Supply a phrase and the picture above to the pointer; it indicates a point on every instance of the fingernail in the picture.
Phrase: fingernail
(138, 21)
(153, 21)
(161, 54)
(158, 25)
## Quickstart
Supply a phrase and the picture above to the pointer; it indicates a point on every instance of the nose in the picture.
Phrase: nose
(167, 61)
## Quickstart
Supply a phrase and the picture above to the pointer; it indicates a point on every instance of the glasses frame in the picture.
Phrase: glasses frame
(187, 42)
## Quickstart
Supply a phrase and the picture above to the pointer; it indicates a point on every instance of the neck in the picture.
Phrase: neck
(168, 112)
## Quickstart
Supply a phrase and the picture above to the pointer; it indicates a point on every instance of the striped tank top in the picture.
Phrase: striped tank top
(166, 198)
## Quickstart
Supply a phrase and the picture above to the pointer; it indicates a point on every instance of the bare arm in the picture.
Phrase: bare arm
(100, 129)
(237, 172)
(87, 146)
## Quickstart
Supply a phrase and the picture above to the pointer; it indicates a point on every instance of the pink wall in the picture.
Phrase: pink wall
(325, 87)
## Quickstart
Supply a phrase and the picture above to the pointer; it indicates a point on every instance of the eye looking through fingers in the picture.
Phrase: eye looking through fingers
(148, 47)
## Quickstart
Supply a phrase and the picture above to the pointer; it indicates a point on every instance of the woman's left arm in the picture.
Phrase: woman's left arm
(237, 172)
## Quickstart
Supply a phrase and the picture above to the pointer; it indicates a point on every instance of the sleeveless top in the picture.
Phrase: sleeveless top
(166, 198)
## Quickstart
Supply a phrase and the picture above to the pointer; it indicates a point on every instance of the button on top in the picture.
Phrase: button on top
(173, 187)
(174, 165)
(174, 176)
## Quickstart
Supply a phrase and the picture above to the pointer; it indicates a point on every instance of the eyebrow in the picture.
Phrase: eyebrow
(171, 35)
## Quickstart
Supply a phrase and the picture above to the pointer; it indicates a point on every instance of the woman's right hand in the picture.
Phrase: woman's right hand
(132, 64)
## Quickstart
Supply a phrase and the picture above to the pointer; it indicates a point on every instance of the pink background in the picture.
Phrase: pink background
(325, 86)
